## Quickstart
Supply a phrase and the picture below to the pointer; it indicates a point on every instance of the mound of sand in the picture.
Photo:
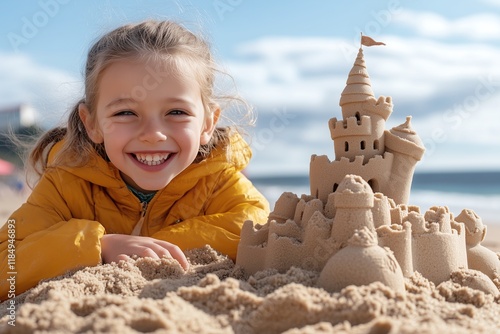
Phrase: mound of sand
(214, 296)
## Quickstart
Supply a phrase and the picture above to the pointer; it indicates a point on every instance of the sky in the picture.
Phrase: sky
(290, 61)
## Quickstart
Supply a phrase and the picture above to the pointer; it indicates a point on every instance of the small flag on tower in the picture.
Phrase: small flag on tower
(368, 41)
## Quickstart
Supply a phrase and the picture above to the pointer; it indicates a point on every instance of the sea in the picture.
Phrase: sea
(475, 190)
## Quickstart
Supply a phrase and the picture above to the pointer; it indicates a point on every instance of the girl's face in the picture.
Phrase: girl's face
(151, 121)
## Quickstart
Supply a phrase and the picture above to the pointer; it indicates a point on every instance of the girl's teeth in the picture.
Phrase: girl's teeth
(152, 159)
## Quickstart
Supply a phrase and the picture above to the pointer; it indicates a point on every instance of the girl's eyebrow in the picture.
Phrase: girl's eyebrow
(128, 100)
(119, 101)
(180, 100)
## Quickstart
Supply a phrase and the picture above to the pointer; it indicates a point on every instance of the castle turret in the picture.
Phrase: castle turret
(361, 132)
(358, 88)
(407, 149)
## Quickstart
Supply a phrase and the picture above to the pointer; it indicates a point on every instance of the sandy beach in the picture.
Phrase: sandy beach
(215, 296)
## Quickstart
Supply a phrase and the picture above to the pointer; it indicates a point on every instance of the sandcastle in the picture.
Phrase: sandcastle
(356, 227)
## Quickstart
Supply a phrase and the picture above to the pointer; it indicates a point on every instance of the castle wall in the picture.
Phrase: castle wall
(348, 220)
(252, 249)
(284, 208)
(325, 175)
(381, 210)
(311, 207)
(435, 255)
(283, 245)
(461, 243)
(317, 245)
(437, 248)
(398, 239)
(282, 253)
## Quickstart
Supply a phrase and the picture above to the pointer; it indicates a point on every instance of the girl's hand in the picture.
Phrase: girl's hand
(116, 247)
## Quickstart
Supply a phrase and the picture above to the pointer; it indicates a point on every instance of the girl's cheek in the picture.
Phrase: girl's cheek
(108, 126)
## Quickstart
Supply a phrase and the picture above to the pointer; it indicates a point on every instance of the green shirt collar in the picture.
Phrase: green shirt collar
(140, 195)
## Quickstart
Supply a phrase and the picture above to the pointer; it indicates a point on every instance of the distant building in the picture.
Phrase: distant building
(15, 117)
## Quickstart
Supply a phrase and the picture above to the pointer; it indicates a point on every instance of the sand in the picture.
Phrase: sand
(214, 296)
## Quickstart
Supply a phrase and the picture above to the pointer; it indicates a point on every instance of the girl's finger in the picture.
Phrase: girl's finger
(123, 257)
(175, 252)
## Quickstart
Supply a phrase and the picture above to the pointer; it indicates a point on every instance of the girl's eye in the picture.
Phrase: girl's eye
(177, 112)
(124, 113)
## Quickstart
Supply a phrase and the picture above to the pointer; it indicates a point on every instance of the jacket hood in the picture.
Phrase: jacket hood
(235, 156)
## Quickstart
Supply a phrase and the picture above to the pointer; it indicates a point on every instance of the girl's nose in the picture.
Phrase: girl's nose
(152, 132)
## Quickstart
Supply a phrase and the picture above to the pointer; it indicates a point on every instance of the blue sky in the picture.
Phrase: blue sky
(290, 60)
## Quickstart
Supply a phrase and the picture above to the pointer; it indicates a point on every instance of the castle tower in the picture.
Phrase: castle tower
(353, 203)
(361, 133)
(404, 143)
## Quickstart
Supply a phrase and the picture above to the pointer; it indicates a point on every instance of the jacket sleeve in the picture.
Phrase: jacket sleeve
(41, 240)
(236, 201)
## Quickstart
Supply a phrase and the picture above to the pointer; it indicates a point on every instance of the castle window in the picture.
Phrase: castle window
(374, 185)
(358, 117)
(335, 186)
(362, 145)
(346, 147)
(375, 145)
(317, 193)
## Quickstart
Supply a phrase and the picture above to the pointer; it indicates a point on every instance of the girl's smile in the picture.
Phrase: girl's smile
(152, 162)
(151, 159)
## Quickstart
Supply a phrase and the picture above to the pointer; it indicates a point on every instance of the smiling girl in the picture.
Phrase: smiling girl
(141, 167)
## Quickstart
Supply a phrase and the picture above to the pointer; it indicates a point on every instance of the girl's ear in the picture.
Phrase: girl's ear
(90, 125)
(210, 123)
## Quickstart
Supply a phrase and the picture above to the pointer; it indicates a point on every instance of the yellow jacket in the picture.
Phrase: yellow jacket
(70, 209)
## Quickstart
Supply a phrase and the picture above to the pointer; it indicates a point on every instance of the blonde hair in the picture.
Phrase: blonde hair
(158, 40)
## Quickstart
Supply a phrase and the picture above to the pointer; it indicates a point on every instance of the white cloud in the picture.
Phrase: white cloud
(273, 72)
(51, 92)
(495, 3)
(450, 88)
(476, 27)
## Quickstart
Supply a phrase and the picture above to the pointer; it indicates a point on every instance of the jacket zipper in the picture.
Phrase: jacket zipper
(138, 227)
(144, 208)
